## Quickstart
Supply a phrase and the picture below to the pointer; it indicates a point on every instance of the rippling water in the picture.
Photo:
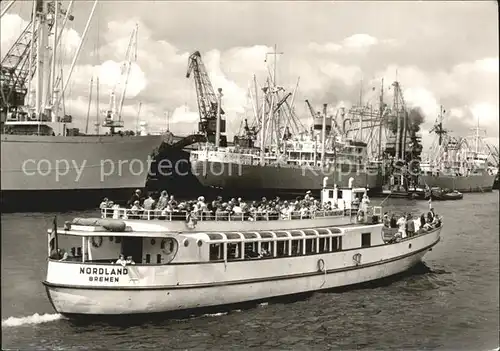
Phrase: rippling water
(451, 302)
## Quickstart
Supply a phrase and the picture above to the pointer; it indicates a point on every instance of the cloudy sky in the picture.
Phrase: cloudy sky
(441, 52)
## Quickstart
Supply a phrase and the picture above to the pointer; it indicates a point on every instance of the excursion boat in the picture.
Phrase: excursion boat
(187, 264)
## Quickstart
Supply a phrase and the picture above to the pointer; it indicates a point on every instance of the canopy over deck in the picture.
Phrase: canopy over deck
(218, 237)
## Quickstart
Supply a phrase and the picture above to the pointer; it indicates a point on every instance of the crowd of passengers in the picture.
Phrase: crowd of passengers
(276, 208)
(407, 226)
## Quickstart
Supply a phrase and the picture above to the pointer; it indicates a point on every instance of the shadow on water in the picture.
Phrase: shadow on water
(164, 318)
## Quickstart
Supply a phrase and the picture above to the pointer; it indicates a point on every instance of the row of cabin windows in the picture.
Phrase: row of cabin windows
(294, 247)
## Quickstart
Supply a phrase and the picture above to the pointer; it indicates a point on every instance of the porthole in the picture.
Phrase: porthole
(153, 241)
(409, 246)
(186, 242)
(200, 243)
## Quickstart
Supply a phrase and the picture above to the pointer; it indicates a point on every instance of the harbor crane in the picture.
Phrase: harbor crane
(208, 104)
(18, 67)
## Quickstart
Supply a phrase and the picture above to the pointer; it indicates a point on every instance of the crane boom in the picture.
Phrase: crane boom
(15, 70)
(127, 65)
(206, 98)
(310, 109)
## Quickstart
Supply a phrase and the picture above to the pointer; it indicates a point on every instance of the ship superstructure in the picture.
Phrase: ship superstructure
(277, 152)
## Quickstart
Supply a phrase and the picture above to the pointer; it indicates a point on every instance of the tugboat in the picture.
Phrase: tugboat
(178, 262)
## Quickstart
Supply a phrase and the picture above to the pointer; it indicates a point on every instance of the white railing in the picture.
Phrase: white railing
(125, 213)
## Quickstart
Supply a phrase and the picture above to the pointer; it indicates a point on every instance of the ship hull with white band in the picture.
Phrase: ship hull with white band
(187, 265)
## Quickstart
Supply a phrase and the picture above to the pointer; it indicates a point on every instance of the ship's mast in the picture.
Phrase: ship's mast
(273, 101)
(398, 118)
(381, 108)
(113, 115)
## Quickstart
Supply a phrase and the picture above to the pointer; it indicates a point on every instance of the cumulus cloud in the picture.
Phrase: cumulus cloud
(355, 43)
(359, 41)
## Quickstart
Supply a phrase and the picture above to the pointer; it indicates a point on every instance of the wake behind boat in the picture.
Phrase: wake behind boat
(220, 259)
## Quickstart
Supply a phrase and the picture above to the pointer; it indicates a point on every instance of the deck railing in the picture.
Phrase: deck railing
(125, 213)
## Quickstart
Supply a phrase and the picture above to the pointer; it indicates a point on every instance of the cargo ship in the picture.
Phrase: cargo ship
(457, 163)
(46, 164)
(289, 158)
(292, 173)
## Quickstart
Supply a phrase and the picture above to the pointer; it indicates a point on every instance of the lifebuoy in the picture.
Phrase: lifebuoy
(321, 265)
(96, 241)
(357, 258)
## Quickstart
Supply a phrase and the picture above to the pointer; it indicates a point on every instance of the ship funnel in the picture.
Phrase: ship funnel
(351, 180)
(325, 182)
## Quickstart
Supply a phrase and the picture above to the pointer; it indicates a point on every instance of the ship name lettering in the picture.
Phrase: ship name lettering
(103, 271)
(104, 279)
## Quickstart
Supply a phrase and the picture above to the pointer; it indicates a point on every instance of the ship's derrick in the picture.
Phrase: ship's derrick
(15, 70)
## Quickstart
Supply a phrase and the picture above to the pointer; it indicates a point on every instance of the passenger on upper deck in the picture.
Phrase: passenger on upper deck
(422, 220)
(149, 203)
(393, 221)
(308, 195)
(162, 201)
(116, 209)
(135, 197)
(172, 202)
(201, 205)
(410, 225)
(402, 225)
(104, 204)
(129, 260)
(355, 202)
(365, 201)
(136, 210)
(386, 220)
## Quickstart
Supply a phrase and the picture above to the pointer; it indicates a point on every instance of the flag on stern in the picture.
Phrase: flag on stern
(53, 245)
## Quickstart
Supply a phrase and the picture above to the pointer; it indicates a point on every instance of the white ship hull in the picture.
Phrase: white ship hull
(174, 287)
(463, 184)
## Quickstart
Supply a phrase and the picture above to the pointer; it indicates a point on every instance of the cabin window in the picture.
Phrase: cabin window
(324, 245)
(158, 258)
(296, 247)
(148, 258)
(234, 251)
(366, 240)
(330, 194)
(268, 246)
(251, 250)
(310, 246)
(337, 243)
(282, 248)
(216, 252)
